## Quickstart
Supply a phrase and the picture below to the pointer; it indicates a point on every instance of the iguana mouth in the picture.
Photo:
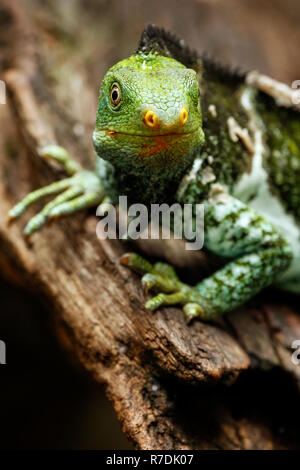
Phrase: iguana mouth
(171, 134)
(150, 145)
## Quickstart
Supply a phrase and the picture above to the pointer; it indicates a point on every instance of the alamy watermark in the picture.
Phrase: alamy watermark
(296, 354)
(136, 221)
(2, 92)
(2, 352)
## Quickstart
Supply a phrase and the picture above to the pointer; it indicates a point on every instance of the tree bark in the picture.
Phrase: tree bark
(168, 381)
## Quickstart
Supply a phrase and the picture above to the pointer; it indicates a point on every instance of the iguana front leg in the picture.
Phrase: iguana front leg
(257, 251)
(80, 190)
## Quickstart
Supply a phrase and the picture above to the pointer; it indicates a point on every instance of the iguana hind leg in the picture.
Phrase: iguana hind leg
(162, 278)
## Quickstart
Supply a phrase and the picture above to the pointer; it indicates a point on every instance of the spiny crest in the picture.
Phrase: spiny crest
(220, 70)
(155, 39)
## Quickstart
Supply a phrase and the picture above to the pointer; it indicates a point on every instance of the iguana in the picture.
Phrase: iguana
(173, 126)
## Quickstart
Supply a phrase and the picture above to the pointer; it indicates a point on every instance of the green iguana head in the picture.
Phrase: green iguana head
(149, 116)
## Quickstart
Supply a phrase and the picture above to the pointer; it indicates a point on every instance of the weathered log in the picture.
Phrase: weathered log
(99, 305)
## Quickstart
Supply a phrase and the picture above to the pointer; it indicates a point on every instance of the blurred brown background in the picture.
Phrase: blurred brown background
(39, 378)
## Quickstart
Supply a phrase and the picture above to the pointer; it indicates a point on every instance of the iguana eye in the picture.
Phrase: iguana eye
(115, 95)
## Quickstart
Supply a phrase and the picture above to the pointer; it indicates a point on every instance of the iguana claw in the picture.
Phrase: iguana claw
(81, 190)
(162, 278)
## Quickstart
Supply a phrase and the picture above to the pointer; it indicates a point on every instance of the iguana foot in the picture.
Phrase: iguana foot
(162, 278)
(81, 190)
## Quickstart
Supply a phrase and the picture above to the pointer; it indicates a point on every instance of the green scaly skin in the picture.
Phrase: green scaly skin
(243, 183)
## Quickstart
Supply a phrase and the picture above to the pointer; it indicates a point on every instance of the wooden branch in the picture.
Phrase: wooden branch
(141, 357)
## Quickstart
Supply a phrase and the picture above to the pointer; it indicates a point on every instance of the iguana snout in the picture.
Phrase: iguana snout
(153, 120)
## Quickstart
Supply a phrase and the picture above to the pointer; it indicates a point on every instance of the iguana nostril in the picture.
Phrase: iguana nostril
(183, 115)
(151, 119)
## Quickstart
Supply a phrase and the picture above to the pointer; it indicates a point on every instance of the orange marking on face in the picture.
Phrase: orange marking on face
(157, 144)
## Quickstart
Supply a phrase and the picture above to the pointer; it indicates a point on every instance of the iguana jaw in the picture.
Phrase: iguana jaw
(112, 132)
(120, 147)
